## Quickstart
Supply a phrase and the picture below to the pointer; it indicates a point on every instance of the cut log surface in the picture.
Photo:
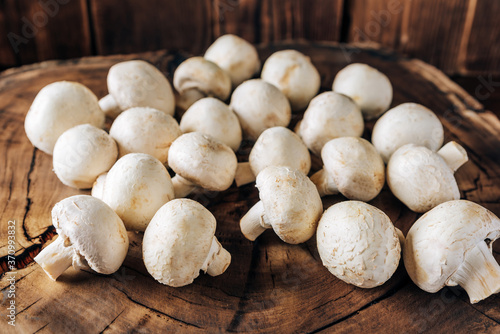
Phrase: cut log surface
(270, 286)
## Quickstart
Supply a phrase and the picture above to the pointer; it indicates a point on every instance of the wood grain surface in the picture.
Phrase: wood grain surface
(459, 37)
(270, 287)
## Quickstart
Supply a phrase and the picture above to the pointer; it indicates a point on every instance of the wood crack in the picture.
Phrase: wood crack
(27, 307)
(112, 321)
(28, 199)
(333, 300)
(386, 295)
(39, 329)
(238, 315)
(155, 310)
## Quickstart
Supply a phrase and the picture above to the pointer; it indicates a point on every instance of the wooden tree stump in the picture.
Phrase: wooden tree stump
(270, 286)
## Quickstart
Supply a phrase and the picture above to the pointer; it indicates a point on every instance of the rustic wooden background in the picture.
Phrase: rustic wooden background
(461, 37)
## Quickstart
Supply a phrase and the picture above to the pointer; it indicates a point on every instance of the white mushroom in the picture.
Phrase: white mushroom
(81, 154)
(294, 74)
(452, 245)
(353, 167)
(145, 130)
(260, 106)
(136, 83)
(57, 108)
(277, 146)
(197, 78)
(90, 235)
(135, 187)
(213, 117)
(408, 123)
(235, 56)
(200, 160)
(289, 204)
(358, 244)
(330, 115)
(368, 87)
(421, 178)
(180, 241)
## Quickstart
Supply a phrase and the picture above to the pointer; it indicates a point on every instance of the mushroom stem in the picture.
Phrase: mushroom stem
(479, 274)
(55, 258)
(253, 222)
(454, 155)
(109, 106)
(188, 97)
(244, 174)
(325, 183)
(182, 187)
(218, 259)
(98, 187)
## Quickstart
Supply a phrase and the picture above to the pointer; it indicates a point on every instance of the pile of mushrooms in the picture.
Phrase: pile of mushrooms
(221, 101)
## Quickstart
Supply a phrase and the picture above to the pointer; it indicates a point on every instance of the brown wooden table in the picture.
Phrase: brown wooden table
(270, 286)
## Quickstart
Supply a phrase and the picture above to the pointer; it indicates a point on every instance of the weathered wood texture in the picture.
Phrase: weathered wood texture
(270, 286)
(459, 37)
(32, 31)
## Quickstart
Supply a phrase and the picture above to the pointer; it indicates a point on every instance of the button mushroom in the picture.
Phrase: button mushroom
(137, 83)
(236, 56)
(135, 187)
(200, 160)
(196, 78)
(213, 117)
(260, 106)
(145, 130)
(277, 146)
(353, 167)
(81, 154)
(289, 204)
(90, 235)
(408, 123)
(368, 87)
(358, 244)
(421, 178)
(329, 116)
(180, 241)
(57, 108)
(452, 245)
(294, 74)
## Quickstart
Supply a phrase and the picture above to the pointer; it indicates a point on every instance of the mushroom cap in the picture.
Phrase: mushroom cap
(330, 115)
(177, 241)
(81, 154)
(145, 130)
(294, 74)
(260, 106)
(58, 107)
(408, 123)
(137, 83)
(279, 146)
(420, 178)
(355, 166)
(203, 160)
(291, 202)
(438, 241)
(235, 56)
(136, 187)
(203, 75)
(368, 87)
(213, 117)
(94, 230)
(358, 244)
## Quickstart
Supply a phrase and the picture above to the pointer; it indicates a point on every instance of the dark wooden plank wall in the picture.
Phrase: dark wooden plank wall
(458, 36)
